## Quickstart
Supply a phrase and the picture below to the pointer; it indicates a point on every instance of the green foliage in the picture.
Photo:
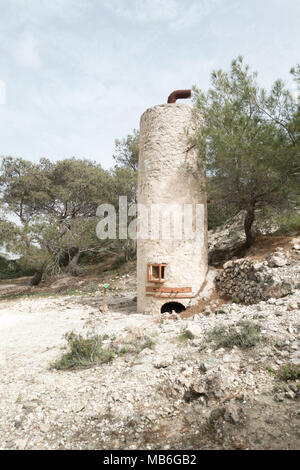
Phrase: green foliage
(289, 372)
(235, 299)
(124, 182)
(6, 268)
(88, 351)
(245, 335)
(11, 269)
(252, 144)
(183, 336)
(83, 352)
(218, 212)
(24, 187)
(56, 205)
(127, 151)
(137, 346)
(271, 370)
(147, 342)
(289, 224)
(7, 230)
(67, 292)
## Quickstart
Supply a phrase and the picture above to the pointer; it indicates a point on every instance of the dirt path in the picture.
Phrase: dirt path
(31, 330)
(31, 337)
(158, 398)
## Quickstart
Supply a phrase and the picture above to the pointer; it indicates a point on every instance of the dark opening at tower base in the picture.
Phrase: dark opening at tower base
(172, 307)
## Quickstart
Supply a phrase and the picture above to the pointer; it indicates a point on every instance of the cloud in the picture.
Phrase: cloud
(79, 73)
(193, 13)
(2, 92)
(179, 14)
(144, 11)
(26, 52)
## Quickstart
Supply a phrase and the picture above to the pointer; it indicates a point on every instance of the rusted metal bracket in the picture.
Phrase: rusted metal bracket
(166, 290)
(171, 296)
(179, 94)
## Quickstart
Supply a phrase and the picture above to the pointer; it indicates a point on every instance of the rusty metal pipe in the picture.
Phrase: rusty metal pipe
(179, 94)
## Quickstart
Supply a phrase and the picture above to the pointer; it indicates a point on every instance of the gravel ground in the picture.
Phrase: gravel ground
(177, 395)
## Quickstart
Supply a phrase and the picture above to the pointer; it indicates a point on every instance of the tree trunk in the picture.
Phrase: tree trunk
(129, 249)
(75, 259)
(73, 264)
(37, 277)
(249, 219)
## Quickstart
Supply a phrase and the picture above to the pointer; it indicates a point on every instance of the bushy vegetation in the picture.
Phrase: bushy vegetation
(218, 212)
(251, 148)
(183, 336)
(138, 346)
(11, 269)
(252, 143)
(289, 224)
(289, 372)
(90, 350)
(245, 334)
(83, 352)
(147, 342)
(56, 205)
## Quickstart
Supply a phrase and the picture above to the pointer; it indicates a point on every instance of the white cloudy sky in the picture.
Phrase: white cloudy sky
(79, 73)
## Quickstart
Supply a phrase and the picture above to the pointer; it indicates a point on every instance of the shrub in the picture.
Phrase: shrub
(288, 224)
(89, 351)
(147, 343)
(245, 335)
(12, 269)
(184, 336)
(289, 372)
(83, 352)
(139, 346)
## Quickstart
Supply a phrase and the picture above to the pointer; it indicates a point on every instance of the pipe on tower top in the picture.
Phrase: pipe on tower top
(179, 94)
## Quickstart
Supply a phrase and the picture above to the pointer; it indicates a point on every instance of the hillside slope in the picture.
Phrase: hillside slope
(226, 377)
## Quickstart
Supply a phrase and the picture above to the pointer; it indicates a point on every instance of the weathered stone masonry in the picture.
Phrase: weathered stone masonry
(170, 270)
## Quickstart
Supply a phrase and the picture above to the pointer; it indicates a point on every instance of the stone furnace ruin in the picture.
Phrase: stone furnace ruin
(172, 224)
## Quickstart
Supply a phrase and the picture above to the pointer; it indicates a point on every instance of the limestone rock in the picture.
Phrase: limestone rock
(208, 364)
(250, 282)
(277, 259)
(44, 427)
(293, 306)
(233, 412)
(216, 385)
(164, 362)
(193, 330)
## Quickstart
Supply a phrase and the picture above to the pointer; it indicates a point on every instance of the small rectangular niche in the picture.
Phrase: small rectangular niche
(156, 272)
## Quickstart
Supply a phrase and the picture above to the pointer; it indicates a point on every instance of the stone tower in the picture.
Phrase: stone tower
(172, 226)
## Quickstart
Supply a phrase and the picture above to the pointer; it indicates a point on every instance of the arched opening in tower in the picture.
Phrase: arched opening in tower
(172, 307)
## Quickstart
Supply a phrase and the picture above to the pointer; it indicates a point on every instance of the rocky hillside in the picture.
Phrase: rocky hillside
(223, 375)
(249, 280)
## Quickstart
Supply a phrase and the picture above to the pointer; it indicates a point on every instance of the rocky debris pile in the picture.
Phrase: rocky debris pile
(180, 390)
(232, 232)
(249, 281)
(181, 393)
